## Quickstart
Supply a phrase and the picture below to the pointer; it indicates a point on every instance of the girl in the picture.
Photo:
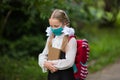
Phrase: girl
(58, 42)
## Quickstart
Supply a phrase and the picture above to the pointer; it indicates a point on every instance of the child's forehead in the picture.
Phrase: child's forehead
(54, 21)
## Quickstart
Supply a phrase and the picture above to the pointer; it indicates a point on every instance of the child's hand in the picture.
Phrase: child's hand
(50, 66)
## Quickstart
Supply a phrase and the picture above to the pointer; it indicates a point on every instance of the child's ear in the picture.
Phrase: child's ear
(64, 24)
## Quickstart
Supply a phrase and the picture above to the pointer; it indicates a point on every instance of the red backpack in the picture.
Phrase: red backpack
(82, 55)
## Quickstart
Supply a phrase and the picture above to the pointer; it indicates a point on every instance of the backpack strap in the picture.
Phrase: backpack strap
(72, 36)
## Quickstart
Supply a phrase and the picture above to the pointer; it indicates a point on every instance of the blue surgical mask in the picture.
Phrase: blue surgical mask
(57, 31)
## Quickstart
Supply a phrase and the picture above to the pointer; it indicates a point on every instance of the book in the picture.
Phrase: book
(53, 54)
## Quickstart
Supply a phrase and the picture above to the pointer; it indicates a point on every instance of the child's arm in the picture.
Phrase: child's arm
(43, 57)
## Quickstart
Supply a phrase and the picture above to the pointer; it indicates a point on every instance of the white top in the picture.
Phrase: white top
(71, 49)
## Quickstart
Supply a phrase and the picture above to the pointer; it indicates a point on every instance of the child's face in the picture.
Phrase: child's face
(55, 23)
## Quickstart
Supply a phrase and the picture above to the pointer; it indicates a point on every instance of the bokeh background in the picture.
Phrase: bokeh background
(22, 33)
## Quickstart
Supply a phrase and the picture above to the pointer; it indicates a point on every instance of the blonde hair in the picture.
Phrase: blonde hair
(61, 16)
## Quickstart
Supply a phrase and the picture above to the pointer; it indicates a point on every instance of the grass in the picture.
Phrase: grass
(22, 69)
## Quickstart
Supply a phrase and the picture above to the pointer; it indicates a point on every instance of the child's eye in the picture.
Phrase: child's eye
(54, 26)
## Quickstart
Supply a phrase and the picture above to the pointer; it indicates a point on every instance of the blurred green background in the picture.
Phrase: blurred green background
(22, 33)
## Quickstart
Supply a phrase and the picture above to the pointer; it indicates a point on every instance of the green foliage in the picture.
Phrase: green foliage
(30, 16)
(23, 69)
(27, 45)
(108, 16)
(117, 23)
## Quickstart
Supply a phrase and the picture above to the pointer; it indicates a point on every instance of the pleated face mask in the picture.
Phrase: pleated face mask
(57, 31)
